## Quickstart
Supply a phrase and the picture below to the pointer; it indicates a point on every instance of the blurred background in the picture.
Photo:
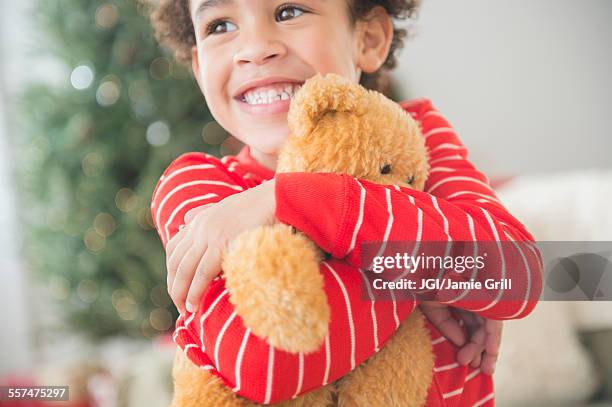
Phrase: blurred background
(92, 111)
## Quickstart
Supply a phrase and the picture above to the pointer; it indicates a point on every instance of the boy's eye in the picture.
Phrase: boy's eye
(285, 12)
(213, 27)
(288, 12)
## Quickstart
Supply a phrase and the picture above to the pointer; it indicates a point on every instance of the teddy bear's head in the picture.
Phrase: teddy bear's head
(338, 126)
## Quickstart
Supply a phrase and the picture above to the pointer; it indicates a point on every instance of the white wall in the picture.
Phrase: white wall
(19, 64)
(14, 336)
(526, 83)
(25, 311)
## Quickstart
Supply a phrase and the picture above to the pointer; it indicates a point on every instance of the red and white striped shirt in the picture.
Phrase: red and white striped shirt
(338, 212)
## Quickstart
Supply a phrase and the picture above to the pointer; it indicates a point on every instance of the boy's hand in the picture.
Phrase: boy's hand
(485, 334)
(195, 253)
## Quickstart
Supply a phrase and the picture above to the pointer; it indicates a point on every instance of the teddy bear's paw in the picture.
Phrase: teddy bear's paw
(273, 279)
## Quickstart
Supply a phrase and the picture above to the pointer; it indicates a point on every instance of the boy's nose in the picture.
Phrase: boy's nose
(258, 47)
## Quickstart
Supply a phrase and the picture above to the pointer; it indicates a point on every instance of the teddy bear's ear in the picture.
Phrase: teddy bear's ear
(320, 95)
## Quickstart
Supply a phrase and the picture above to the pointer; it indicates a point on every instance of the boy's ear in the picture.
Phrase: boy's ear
(195, 65)
(375, 36)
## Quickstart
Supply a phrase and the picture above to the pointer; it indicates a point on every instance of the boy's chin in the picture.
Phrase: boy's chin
(268, 141)
(271, 147)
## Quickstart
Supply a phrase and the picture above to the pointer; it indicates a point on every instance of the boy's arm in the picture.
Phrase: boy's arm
(340, 212)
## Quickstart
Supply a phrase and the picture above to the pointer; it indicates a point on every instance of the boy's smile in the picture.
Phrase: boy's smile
(267, 95)
(251, 56)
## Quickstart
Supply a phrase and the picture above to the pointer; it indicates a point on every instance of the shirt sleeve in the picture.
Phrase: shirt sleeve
(192, 180)
(340, 213)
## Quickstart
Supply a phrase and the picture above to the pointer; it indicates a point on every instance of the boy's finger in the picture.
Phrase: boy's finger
(171, 250)
(184, 276)
(208, 268)
(466, 354)
(474, 348)
(488, 363)
(175, 260)
(445, 322)
(476, 361)
(494, 333)
(492, 345)
(176, 239)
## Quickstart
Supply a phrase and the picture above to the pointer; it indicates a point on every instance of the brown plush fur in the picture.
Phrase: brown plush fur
(194, 387)
(272, 273)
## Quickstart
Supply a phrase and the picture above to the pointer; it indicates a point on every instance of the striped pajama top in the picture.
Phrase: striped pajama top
(338, 212)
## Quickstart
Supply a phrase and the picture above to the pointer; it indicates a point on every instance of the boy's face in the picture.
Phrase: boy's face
(268, 48)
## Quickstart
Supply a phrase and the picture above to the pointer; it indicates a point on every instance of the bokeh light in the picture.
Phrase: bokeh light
(230, 146)
(59, 287)
(160, 319)
(124, 304)
(107, 16)
(158, 133)
(104, 224)
(213, 133)
(93, 241)
(92, 164)
(144, 218)
(87, 290)
(160, 68)
(109, 91)
(82, 77)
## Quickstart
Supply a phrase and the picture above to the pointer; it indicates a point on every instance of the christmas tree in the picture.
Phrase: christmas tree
(90, 155)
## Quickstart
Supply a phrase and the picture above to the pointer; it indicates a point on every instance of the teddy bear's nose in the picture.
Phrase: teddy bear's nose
(385, 169)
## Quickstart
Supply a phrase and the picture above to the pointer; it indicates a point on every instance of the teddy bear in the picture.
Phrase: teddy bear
(272, 273)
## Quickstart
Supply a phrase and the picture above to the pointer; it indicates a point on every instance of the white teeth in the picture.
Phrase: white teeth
(256, 97)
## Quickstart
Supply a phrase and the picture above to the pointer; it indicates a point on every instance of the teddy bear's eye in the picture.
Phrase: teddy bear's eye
(411, 179)
(385, 169)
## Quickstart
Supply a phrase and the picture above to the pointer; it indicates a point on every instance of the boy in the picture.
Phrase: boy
(249, 57)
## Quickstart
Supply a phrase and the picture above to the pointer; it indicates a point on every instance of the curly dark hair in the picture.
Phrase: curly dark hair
(174, 29)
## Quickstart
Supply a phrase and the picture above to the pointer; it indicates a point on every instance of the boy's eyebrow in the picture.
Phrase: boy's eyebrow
(208, 4)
